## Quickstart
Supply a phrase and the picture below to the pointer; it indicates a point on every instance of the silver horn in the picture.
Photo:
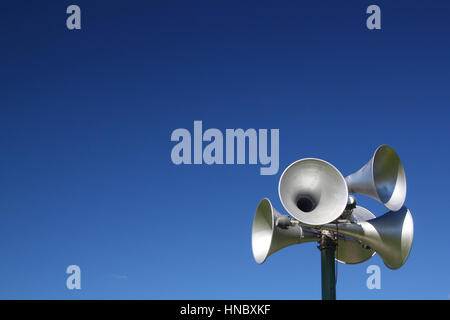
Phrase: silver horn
(390, 235)
(313, 191)
(350, 251)
(382, 178)
(272, 231)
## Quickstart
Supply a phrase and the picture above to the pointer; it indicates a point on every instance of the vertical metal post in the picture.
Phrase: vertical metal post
(327, 249)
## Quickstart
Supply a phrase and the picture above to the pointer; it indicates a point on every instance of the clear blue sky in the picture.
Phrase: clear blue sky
(86, 117)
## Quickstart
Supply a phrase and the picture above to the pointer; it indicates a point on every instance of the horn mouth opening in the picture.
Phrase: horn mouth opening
(313, 191)
(389, 177)
(262, 231)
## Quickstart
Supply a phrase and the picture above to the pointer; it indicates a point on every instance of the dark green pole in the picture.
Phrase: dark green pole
(327, 249)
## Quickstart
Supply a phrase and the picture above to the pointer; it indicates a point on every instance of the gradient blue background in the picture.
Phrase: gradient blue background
(86, 116)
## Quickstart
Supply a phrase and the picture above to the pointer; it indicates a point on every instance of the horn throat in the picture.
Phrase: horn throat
(306, 203)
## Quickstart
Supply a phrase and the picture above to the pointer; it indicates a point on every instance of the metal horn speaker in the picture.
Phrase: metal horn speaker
(271, 232)
(382, 178)
(390, 235)
(313, 191)
(349, 250)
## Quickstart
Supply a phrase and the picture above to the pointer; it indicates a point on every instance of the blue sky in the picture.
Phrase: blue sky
(86, 117)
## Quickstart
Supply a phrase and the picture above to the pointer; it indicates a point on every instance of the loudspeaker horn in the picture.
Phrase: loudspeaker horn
(390, 235)
(272, 231)
(313, 191)
(382, 178)
(349, 250)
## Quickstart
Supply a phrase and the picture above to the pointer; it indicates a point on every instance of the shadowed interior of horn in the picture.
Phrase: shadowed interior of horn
(307, 203)
(389, 177)
(262, 230)
(313, 191)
